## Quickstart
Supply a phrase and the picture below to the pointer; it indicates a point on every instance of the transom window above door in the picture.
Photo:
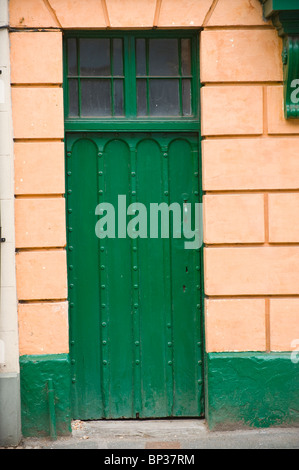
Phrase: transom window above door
(140, 76)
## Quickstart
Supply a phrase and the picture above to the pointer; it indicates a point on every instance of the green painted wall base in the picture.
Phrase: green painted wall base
(242, 390)
(251, 390)
(43, 412)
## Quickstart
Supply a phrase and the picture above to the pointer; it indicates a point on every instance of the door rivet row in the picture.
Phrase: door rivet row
(70, 248)
(198, 269)
(166, 185)
(103, 279)
(135, 293)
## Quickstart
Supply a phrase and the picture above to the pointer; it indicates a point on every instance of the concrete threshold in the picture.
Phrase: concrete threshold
(164, 434)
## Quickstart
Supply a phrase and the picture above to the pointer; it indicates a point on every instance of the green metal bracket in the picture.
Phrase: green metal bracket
(285, 17)
(290, 57)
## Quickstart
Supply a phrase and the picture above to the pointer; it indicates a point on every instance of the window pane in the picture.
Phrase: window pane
(163, 57)
(73, 98)
(94, 57)
(72, 57)
(141, 98)
(186, 97)
(118, 97)
(117, 57)
(164, 97)
(186, 57)
(140, 57)
(95, 97)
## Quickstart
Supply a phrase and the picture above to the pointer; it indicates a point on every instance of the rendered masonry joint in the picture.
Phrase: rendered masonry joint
(285, 18)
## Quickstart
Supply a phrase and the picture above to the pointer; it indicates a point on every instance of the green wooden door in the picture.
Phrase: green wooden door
(135, 303)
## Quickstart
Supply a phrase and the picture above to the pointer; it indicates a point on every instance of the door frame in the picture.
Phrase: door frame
(132, 124)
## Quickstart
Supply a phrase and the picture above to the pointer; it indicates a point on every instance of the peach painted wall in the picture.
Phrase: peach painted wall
(250, 168)
(251, 182)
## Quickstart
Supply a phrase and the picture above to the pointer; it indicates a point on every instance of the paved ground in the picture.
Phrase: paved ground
(165, 434)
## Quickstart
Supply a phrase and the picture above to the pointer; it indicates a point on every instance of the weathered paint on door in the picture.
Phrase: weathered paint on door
(135, 304)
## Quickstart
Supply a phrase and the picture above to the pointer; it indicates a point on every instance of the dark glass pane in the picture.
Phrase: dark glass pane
(72, 57)
(95, 97)
(73, 98)
(186, 56)
(141, 98)
(118, 57)
(163, 57)
(94, 57)
(140, 57)
(164, 97)
(186, 97)
(118, 92)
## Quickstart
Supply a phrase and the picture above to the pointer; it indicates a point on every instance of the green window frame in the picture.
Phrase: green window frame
(130, 120)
